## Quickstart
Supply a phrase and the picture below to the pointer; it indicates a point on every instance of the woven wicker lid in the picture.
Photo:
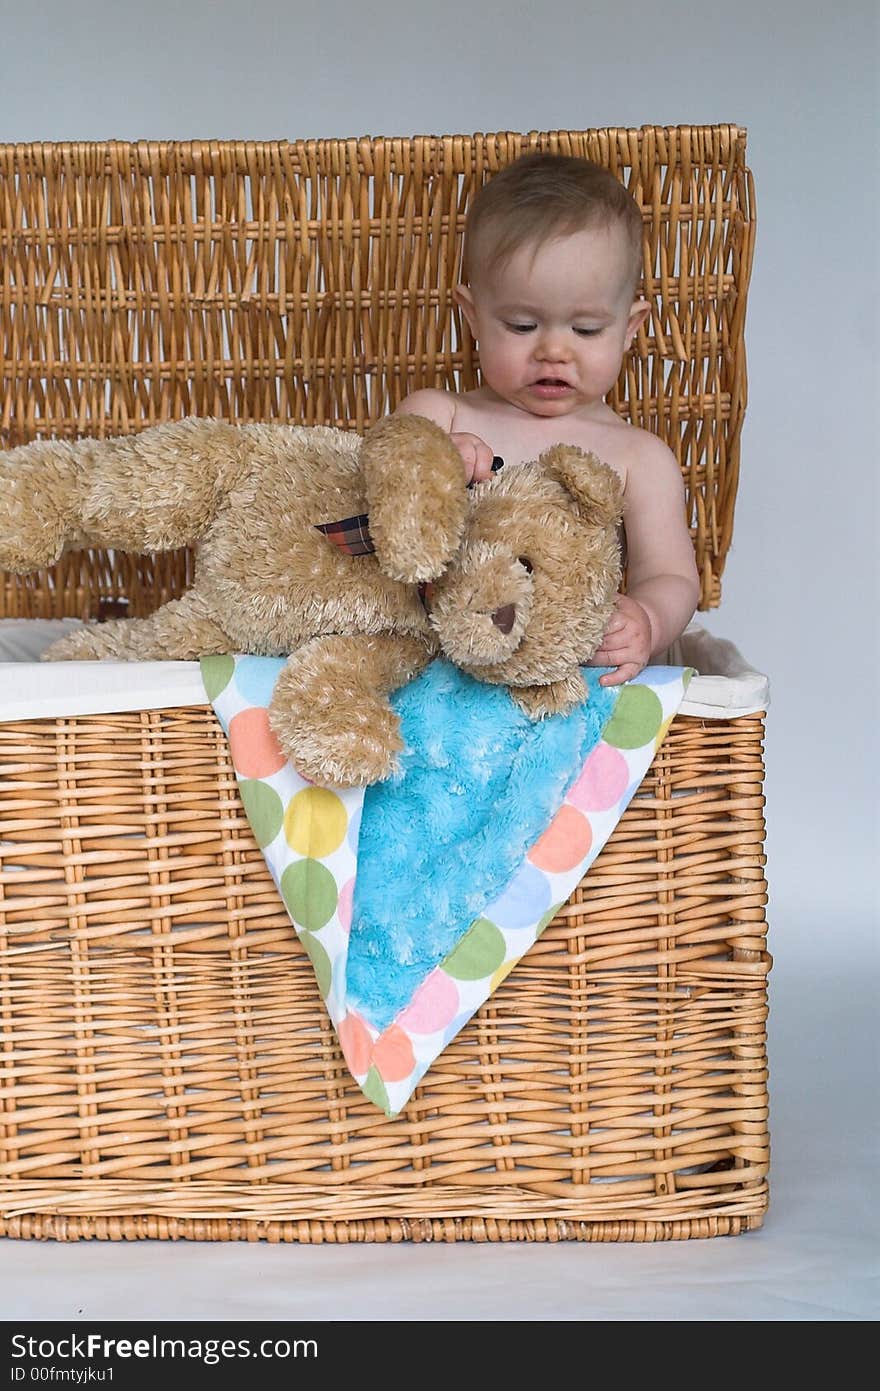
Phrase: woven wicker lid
(311, 281)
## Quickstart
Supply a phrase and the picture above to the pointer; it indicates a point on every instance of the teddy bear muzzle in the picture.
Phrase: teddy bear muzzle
(480, 608)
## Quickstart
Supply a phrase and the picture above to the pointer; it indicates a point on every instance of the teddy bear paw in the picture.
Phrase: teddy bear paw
(342, 748)
(345, 765)
(555, 698)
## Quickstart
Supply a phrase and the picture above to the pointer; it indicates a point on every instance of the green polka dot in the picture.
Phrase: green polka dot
(320, 960)
(264, 808)
(480, 952)
(548, 917)
(637, 716)
(374, 1088)
(217, 673)
(309, 890)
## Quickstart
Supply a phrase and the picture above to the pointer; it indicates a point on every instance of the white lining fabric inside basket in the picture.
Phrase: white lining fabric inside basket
(724, 687)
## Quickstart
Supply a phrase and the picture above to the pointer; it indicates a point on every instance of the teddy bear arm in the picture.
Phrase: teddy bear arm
(330, 710)
(556, 698)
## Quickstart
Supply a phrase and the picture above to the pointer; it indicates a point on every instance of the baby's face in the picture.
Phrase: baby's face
(553, 324)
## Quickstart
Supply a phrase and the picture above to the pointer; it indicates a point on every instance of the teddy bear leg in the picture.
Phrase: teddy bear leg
(330, 708)
(153, 491)
(37, 497)
(556, 698)
(180, 630)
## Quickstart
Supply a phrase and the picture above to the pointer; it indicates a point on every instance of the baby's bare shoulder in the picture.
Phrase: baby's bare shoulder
(633, 452)
(645, 453)
(431, 402)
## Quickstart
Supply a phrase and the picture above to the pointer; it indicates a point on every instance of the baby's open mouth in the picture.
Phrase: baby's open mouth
(550, 386)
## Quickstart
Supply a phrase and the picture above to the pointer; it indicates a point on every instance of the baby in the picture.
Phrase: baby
(552, 259)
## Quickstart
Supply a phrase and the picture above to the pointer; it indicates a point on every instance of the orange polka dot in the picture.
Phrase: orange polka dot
(393, 1055)
(356, 1043)
(256, 752)
(564, 843)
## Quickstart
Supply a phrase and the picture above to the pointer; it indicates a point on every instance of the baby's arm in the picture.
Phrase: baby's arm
(662, 582)
(439, 406)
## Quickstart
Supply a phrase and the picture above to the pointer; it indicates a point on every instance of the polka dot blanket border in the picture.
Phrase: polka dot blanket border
(309, 836)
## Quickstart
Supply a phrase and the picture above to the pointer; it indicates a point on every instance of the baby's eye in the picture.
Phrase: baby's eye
(525, 563)
(519, 328)
(587, 332)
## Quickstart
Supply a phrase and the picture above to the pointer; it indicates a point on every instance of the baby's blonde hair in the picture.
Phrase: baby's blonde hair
(540, 196)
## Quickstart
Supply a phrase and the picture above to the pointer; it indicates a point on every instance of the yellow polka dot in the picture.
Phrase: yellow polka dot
(662, 732)
(315, 822)
(503, 970)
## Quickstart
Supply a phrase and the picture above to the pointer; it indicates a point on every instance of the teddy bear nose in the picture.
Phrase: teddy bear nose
(503, 618)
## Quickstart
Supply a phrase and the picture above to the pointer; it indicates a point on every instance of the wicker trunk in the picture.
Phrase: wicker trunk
(169, 1069)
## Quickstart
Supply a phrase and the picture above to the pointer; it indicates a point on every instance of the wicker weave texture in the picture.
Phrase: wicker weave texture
(169, 1068)
(311, 282)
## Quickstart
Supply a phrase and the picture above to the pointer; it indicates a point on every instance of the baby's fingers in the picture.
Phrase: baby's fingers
(475, 455)
(625, 672)
(468, 458)
(483, 457)
(610, 653)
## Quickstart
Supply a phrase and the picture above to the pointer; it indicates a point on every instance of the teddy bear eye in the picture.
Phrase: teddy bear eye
(525, 563)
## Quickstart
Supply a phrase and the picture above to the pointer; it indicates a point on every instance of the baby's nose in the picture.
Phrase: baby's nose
(554, 348)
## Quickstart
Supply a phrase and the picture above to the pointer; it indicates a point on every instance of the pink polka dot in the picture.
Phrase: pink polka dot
(393, 1055)
(256, 752)
(565, 842)
(433, 1006)
(603, 780)
(356, 1043)
(344, 905)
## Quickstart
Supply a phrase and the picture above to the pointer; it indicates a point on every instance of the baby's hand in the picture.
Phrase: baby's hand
(626, 643)
(476, 456)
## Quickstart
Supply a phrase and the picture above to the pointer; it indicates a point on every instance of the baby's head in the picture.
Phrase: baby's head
(552, 261)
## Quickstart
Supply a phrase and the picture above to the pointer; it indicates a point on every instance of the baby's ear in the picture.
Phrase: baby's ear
(462, 296)
(595, 487)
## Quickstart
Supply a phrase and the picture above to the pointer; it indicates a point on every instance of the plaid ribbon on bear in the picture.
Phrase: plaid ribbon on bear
(352, 534)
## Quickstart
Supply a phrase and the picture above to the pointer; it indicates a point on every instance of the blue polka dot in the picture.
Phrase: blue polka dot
(255, 678)
(656, 676)
(630, 793)
(456, 1026)
(526, 897)
(354, 828)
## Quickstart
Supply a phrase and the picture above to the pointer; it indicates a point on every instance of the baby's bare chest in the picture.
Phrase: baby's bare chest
(518, 437)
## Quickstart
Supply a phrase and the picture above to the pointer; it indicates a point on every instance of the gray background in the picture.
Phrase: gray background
(800, 591)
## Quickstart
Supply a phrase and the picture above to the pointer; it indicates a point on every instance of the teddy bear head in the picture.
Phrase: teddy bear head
(527, 597)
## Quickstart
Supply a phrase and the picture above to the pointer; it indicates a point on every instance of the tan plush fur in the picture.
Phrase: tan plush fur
(268, 582)
(540, 549)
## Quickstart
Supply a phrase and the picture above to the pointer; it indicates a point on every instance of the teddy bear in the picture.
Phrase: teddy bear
(513, 579)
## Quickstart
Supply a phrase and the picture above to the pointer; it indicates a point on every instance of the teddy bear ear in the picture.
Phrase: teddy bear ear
(595, 487)
(416, 496)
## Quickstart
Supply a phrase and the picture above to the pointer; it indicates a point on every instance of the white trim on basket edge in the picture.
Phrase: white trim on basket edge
(725, 686)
